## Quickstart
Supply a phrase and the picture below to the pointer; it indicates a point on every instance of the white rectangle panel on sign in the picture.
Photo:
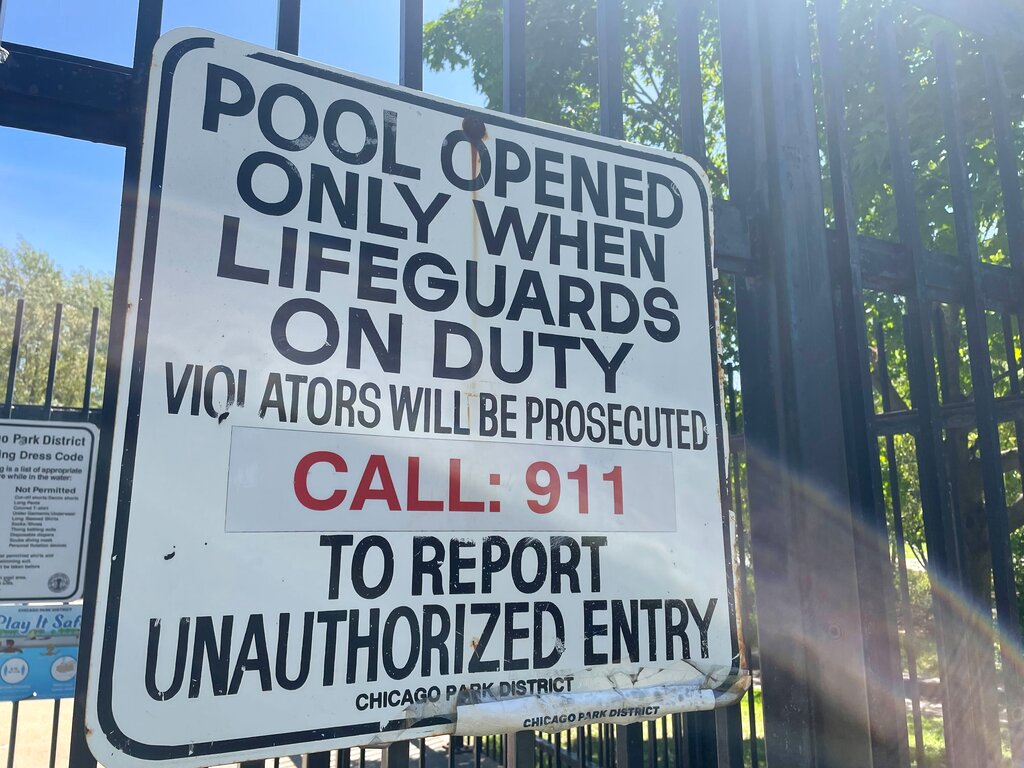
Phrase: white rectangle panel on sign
(289, 480)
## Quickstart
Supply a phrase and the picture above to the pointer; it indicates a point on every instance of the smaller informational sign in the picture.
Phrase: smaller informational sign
(39, 651)
(47, 472)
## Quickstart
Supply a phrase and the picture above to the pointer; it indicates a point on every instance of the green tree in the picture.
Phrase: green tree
(561, 67)
(562, 89)
(31, 275)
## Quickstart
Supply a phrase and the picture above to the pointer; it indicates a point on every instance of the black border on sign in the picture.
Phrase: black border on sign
(75, 593)
(116, 737)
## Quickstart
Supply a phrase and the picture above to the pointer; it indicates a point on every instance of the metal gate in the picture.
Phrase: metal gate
(873, 376)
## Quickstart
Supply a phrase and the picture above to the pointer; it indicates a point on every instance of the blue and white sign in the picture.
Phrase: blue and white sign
(39, 651)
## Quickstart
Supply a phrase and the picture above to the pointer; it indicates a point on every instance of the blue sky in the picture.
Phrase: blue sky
(63, 196)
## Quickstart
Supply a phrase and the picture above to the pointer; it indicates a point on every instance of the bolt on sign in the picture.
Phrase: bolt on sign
(420, 423)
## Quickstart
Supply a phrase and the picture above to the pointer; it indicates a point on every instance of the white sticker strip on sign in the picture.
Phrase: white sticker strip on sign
(417, 400)
(556, 712)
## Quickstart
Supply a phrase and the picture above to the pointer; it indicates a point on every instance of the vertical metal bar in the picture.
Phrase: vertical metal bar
(745, 608)
(423, 753)
(609, 67)
(906, 609)
(315, 760)
(804, 548)
(730, 736)
(1012, 363)
(677, 741)
(888, 725)
(701, 742)
(147, 31)
(652, 743)
(477, 749)
(692, 141)
(410, 58)
(1006, 161)
(519, 748)
(288, 13)
(513, 57)
(54, 726)
(12, 368)
(454, 742)
(1013, 371)
(344, 758)
(785, 700)
(1013, 218)
(949, 381)
(629, 746)
(90, 360)
(691, 86)
(51, 371)
(941, 525)
(12, 741)
(1007, 617)
(395, 755)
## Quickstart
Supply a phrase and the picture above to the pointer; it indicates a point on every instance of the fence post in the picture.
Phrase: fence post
(701, 740)
(519, 748)
(395, 755)
(810, 631)
(288, 26)
(147, 31)
(315, 760)
(629, 746)
(786, 729)
(887, 713)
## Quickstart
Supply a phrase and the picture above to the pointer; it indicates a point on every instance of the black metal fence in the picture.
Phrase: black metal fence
(873, 362)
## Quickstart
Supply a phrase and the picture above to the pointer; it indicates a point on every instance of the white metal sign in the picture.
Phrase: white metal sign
(419, 414)
(47, 471)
